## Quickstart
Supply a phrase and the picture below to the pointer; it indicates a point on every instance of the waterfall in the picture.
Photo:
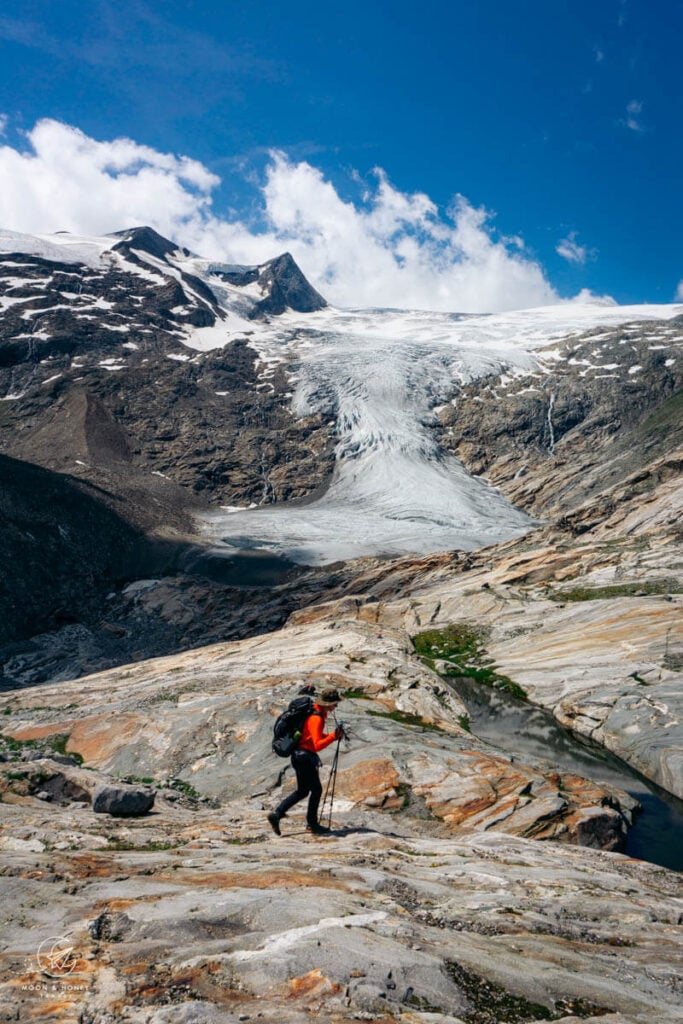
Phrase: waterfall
(551, 403)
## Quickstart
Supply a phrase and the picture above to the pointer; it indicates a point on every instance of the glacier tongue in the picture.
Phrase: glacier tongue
(393, 491)
(379, 374)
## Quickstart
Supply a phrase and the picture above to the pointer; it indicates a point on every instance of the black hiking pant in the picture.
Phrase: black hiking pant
(308, 785)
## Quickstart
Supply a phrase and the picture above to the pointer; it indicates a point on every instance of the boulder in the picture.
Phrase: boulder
(123, 801)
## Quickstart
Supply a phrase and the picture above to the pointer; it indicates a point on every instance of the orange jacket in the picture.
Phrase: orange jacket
(313, 738)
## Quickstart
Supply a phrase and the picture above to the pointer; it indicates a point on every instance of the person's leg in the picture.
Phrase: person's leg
(303, 787)
(314, 798)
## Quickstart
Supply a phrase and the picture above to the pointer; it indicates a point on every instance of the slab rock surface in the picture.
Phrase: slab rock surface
(200, 914)
(430, 903)
(204, 721)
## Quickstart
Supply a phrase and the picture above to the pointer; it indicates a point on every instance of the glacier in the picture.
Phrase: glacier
(380, 375)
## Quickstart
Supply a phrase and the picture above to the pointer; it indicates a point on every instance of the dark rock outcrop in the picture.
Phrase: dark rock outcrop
(144, 239)
(285, 287)
(599, 408)
(62, 549)
(123, 801)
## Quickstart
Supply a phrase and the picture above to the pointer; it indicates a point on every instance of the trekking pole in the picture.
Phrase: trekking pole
(332, 781)
(331, 784)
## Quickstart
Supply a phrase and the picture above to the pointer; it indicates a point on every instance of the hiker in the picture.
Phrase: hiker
(306, 762)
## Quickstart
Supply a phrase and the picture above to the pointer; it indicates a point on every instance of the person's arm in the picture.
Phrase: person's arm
(319, 739)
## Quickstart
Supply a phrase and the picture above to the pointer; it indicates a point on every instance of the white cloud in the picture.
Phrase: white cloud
(633, 112)
(588, 298)
(3, 124)
(390, 248)
(571, 251)
(679, 292)
(71, 182)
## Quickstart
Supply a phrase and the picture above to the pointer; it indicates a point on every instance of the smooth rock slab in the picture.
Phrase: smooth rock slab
(123, 801)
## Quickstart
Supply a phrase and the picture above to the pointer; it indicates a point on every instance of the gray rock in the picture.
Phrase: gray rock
(42, 755)
(123, 801)
(285, 287)
(597, 428)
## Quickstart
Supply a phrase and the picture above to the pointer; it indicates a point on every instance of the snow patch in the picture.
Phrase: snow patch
(62, 247)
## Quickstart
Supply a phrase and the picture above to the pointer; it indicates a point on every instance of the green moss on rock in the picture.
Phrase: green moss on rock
(460, 650)
(638, 588)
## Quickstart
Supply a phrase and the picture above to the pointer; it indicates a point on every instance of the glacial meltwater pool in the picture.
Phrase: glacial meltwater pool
(533, 735)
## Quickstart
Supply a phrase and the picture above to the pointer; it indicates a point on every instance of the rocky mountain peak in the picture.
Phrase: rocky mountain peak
(286, 287)
(144, 239)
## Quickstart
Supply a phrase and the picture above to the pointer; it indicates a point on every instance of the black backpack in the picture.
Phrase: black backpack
(288, 727)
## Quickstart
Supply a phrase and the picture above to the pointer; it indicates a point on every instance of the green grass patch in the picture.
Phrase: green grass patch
(58, 744)
(492, 1003)
(179, 785)
(150, 847)
(355, 695)
(185, 788)
(668, 585)
(461, 651)
(55, 744)
(9, 743)
(406, 719)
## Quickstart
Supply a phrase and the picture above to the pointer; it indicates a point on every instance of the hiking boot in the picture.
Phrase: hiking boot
(319, 830)
(274, 822)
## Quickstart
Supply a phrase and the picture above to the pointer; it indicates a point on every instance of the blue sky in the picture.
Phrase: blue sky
(562, 118)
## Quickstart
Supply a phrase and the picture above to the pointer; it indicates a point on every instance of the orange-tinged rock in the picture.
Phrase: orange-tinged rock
(252, 880)
(368, 778)
(15, 798)
(88, 865)
(370, 612)
(137, 968)
(123, 904)
(455, 815)
(313, 984)
(97, 738)
(46, 1010)
(39, 732)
